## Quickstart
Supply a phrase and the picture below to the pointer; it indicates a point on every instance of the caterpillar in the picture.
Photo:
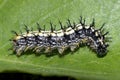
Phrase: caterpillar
(71, 36)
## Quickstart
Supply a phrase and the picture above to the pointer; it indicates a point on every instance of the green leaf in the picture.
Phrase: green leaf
(82, 64)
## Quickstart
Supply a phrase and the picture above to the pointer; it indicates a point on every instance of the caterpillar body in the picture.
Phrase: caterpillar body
(72, 36)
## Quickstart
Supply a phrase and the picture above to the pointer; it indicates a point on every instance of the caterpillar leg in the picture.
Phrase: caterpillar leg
(73, 47)
(47, 50)
(20, 50)
(61, 49)
(38, 49)
(29, 47)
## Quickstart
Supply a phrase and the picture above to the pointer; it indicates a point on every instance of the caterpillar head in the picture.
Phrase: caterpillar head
(102, 50)
(102, 46)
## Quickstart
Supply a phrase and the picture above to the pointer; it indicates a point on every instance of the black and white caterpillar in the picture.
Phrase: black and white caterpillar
(72, 36)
